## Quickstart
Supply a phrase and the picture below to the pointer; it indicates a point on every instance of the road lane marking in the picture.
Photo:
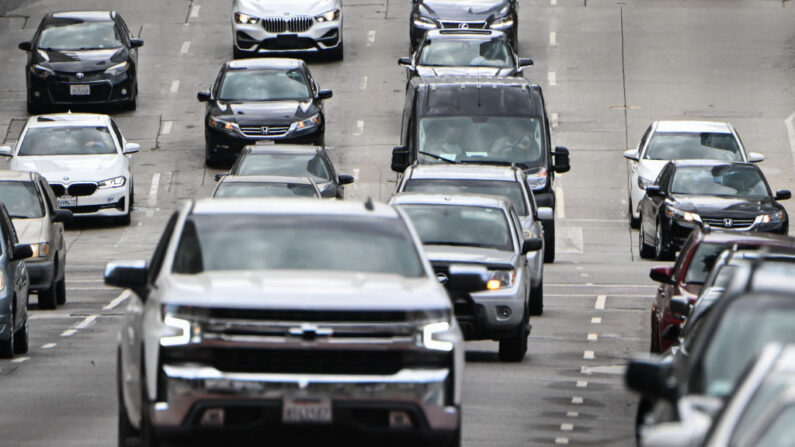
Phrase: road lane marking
(593, 337)
(68, 333)
(553, 2)
(363, 85)
(596, 320)
(355, 175)
(621, 286)
(790, 123)
(153, 190)
(20, 359)
(563, 441)
(359, 128)
(576, 400)
(572, 414)
(566, 427)
(582, 384)
(553, 38)
(552, 78)
(370, 37)
(174, 85)
(588, 355)
(194, 11)
(87, 321)
(49, 345)
(116, 301)
(560, 202)
(600, 302)
(185, 47)
(554, 118)
(167, 125)
(585, 370)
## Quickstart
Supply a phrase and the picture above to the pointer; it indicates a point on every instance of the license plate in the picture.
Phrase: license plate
(67, 201)
(306, 410)
(287, 40)
(79, 89)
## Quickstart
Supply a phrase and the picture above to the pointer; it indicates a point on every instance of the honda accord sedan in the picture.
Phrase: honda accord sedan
(500, 15)
(84, 57)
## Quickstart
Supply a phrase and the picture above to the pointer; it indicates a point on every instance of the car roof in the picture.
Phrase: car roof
(475, 34)
(68, 119)
(265, 179)
(282, 149)
(424, 198)
(263, 63)
(464, 172)
(8, 175)
(747, 238)
(89, 16)
(693, 126)
(281, 206)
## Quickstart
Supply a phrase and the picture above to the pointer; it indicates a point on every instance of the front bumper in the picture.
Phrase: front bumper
(256, 39)
(228, 143)
(257, 398)
(680, 230)
(41, 274)
(56, 90)
(481, 315)
(110, 202)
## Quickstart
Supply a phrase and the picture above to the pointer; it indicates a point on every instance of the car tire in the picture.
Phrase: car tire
(210, 160)
(47, 298)
(513, 349)
(337, 53)
(455, 440)
(660, 252)
(549, 241)
(634, 222)
(60, 290)
(21, 343)
(127, 434)
(537, 299)
(645, 250)
(7, 346)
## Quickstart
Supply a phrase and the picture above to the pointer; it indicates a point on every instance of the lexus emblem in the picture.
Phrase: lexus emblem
(80, 75)
(264, 131)
(728, 223)
(463, 25)
(441, 277)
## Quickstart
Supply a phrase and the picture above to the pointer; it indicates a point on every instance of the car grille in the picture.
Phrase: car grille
(463, 25)
(57, 189)
(288, 316)
(722, 222)
(292, 25)
(75, 189)
(100, 91)
(264, 131)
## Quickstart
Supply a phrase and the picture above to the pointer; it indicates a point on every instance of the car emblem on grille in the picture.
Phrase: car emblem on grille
(66, 179)
(264, 131)
(310, 332)
(441, 277)
(80, 75)
(728, 223)
(463, 25)
(287, 13)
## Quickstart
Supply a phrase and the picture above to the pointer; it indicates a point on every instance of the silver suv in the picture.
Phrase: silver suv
(289, 312)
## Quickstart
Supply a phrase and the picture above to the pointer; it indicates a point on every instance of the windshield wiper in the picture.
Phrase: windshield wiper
(438, 157)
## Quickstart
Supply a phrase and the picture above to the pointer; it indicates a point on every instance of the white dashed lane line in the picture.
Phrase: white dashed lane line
(194, 11)
(68, 333)
(552, 78)
(174, 85)
(359, 128)
(185, 47)
(553, 38)
(371, 37)
(790, 123)
(363, 85)
(87, 321)
(167, 125)
(49, 345)
(116, 301)
(600, 302)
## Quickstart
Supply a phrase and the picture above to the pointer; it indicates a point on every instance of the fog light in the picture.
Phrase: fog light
(213, 416)
(503, 312)
(36, 93)
(124, 91)
(399, 419)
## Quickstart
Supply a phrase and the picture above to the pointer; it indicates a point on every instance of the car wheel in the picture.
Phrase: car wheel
(337, 53)
(660, 252)
(7, 346)
(537, 299)
(210, 160)
(60, 290)
(127, 434)
(633, 221)
(549, 241)
(646, 251)
(21, 340)
(513, 349)
(47, 298)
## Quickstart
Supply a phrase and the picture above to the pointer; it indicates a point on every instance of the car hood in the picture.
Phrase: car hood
(258, 113)
(32, 230)
(282, 8)
(458, 10)
(427, 71)
(469, 255)
(73, 168)
(86, 61)
(726, 207)
(650, 169)
(305, 290)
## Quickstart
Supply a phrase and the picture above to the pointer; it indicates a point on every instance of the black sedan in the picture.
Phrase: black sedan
(85, 57)
(262, 99)
(467, 52)
(426, 15)
(689, 194)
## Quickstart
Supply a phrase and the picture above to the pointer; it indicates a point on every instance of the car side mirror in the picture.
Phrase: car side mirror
(324, 94)
(136, 43)
(680, 305)
(131, 148)
(672, 332)
(21, 251)
(632, 154)
(126, 274)
(6, 151)
(650, 378)
(467, 278)
(545, 213)
(63, 216)
(654, 191)
(404, 61)
(755, 157)
(525, 62)
(400, 159)
(204, 96)
(662, 274)
(783, 194)
(562, 163)
(25, 46)
(531, 244)
(345, 179)
(219, 176)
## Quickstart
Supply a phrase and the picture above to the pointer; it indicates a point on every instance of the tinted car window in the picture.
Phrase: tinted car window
(75, 34)
(470, 226)
(264, 85)
(21, 199)
(67, 141)
(289, 242)
(288, 165)
(693, 146)
(510, 190)
(466, 53)
(261, 189)
(725, 180)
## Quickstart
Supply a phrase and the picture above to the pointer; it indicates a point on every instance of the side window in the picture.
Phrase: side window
(160, 251)
(518, 227)
(117, 132)
(217, 84)
(49, 197)
(642, 143)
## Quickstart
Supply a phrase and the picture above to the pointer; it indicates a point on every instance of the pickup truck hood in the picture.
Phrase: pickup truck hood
(73, 168)
(427, 71)
(285, 8)
(305, 290)
(448, 254)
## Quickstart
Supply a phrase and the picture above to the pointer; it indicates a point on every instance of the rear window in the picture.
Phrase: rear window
(287, 165)
(510, 190)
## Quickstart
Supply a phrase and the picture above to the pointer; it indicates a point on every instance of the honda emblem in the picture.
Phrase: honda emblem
(728, 223)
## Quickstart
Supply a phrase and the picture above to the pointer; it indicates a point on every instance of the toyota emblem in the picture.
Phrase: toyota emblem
(463, 25)
(441, 277)
(80, 75)
(728, 223)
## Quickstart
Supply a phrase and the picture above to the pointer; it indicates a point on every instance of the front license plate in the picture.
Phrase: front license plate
(287, 40)
(67, 201)
(79, 89)
(306, 410)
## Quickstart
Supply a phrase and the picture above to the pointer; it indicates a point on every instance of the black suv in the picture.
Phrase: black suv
(500, 15)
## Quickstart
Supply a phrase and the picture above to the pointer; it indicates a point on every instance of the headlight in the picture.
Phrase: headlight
(537, 180)
(307, 123)
(438, 336)
(245, 19)
(220, 124)
(118, 69)
(40, 250)
(115, 182)
(682, 215)
(176, 331)
(644, 183)
(424, 23)
(500, 279)
(330, 16)
(2, 281)
(41, 72)
(770, 218)
(502, 22)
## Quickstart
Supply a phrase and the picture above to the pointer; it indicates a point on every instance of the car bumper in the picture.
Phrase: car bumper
(255, 39)
(681, 230)
(41, 274)
(221, 143)
(490, 315)
(193, 390)
(57, 91)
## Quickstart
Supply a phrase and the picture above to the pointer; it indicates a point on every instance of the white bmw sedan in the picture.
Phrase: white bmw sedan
(84, 158)
(679, 140)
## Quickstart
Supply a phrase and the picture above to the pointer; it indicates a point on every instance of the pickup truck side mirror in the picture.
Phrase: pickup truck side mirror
(21, 251)
(680, 305)
(525, 62)
(131, 148)
(467, 278)
(63, 216)
(650, 378)
(783, 194)
(531, 244)
(561, 160)
(755, 157)
(345, 179)
(25, 46)
(662, 274)
(400, 159)
(404, 61)
(136, 43)
(6, 151)
(219, 176)
(127, 274)
(204, 96)
(324, 94)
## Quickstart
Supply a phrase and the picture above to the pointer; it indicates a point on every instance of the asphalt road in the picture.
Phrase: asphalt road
(608, 68)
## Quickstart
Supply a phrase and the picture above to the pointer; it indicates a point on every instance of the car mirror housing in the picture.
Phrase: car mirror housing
(219, 176)
(525, 62)
(467, 278)
(404, 61)
(755, 157)
(324, 94)
(400, 159)
(783, 194)
(136, 43)
(531, 244)
(21, 251)
(650, 378)
(6, 151)
(204, 96)
(654, 191)
(562, 163)
(545, 213)
(680, 305)
(131, 148)
(63, 216)
(632, 154)
(25, 46)
(662, 274)
(126, 274)
(345, 179)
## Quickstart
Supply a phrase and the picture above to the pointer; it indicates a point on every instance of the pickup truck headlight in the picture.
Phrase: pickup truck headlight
(644, 183)
(537, 180)
(40, 250)
(42, 72)
(500, 279)
(438, 336)
(176, 331)
(115, 182)
(682, 215)
(118, 69)
(308, 123)
(770, 218)
(424, 23)
(502, 23)
(330, 16)
(245, 19)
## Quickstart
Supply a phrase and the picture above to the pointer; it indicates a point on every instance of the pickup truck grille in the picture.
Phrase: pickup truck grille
(297, 315)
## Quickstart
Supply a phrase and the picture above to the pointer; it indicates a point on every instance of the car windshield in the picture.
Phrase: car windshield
(296, 242)
(75, 34)
(263, 189)
(510, 190)
(723, 180)
(288, 165)
(71, 140)
(481, 139)
(744, 329)
(21, 199)
(702, 261)
(471, 226)
(693, 146)
(466, 53)
(264, 85)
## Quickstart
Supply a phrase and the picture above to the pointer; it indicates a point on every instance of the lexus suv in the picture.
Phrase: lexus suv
(342, 324)
(263, 27)
(500, 15)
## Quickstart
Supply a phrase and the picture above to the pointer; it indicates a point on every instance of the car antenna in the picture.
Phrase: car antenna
(368, 204)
